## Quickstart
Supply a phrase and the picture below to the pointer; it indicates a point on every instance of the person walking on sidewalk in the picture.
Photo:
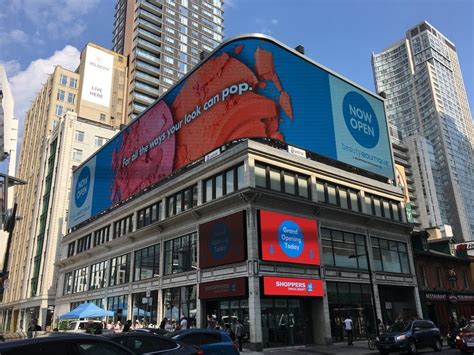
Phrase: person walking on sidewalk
(239, 333)
(348, 329)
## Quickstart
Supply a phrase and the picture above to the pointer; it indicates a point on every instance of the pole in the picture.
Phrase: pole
(374, 312)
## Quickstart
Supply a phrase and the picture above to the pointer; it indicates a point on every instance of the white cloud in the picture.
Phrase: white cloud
(27, 83)
(14, 36)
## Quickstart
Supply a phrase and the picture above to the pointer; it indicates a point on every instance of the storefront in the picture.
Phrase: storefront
(145, 307)
(180, 301)
(397, 302)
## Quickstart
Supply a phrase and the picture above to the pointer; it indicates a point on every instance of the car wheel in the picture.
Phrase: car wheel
(412, 347)
(437, 345)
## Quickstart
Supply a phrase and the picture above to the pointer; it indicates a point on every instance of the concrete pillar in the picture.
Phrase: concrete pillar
(159, 306)
(200, 315)
(255, 314)
(419, 309)
(321, 316)
(43, 312)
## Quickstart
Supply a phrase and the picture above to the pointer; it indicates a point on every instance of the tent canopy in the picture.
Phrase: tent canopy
(87, 310)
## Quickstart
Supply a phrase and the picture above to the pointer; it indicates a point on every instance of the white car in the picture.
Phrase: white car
(81, 326)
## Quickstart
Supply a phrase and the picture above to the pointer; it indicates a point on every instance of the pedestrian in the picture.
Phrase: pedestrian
(33, 328)
(168, 326)
(98, 329)
(211, 322)
(127, 326)
(163, 323)
(380, 326)
(348, 329)
(239, 333)
(183, 323)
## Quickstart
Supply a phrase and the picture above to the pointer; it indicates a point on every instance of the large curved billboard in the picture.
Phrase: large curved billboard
(249, 87)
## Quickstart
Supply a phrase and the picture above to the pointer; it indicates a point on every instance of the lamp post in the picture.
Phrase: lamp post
(371, 281)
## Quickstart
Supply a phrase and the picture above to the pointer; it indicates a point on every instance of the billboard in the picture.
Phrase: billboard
(401, 181)
(222, 241)
(249, 87)
(290, 286)
(288, 239)
(98, 71)
(223, 289)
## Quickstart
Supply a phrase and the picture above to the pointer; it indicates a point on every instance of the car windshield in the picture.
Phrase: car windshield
(399, 327)
(469, 328)
(71, 326)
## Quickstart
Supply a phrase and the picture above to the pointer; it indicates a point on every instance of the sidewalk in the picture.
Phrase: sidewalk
(359, 348)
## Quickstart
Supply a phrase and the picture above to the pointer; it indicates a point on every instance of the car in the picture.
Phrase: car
(410, 336)
(61, 344)
(148, 343)
(209, 341)
(465, 338)
(158, 331)
(83, 326)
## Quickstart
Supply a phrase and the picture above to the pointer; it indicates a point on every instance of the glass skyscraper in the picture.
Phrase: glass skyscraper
(422, 81)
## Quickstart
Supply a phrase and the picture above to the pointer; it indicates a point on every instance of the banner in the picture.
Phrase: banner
(290, 286)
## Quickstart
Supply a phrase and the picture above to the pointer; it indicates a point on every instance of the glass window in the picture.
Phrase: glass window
(119, 270)
(147, 263)
(260, 176)
(77, 155)
(343, 249)
(79, 136)
(289, 182)
(71, 98)
(181, 254)
(240, 177)
(63, 79)
(343, 198)
(303, 187)
(99, 141)
(390, 256)
(332, 198)
(320, 191)
(59, 110)
(229, 180)
(67, 288)
(80, 280)
(61, 94)
(275, 179)
(98, 276)
(208, 187)
(119, 304)
(218, 183)
(354, 200)
(73, 83)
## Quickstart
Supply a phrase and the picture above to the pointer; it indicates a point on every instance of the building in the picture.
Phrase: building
(163, 40)
(198, 220)
(33, 247)
(425, 95)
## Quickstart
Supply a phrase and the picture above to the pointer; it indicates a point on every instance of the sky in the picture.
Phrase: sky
(36, 35)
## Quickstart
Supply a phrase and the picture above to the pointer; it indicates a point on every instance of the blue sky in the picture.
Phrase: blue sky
(35, 35)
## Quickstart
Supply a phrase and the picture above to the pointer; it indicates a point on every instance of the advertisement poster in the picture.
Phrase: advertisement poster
(288, 239)
(401, 181)
(98, 71)
(249, 87)
(223, 289)
(290, 286)
(222, 241)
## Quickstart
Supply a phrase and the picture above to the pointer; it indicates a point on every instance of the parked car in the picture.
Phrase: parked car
(209, 341)
(465, 338)
(147, 343)
(64, 344)
(83, 326)
(158, 331)
(410, 336)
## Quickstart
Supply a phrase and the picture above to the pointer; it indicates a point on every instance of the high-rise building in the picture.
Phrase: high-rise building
(425, 95)
(163, 41)
(53, 143)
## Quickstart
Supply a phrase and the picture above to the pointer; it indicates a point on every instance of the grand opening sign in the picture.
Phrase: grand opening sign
(290, 286)
(249, 87)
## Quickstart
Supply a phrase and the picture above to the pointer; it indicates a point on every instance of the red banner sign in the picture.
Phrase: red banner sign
(290, 286)
(223, 289)
(288, 238)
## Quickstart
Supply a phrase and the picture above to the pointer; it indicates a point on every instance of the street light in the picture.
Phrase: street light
(374, 314)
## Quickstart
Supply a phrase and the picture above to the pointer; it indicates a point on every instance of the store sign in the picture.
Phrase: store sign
(98, 72)
(222, 241)
(289, 239)
(452, 298)
(249, 87)
(223, 289)
(289, 286)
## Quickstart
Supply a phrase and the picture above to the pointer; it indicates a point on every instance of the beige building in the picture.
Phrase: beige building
(91, 90)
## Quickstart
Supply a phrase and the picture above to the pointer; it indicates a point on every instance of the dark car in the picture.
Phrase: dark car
(209, 341)
(147, 343)
(158, 331)
(465, 338)
(60, 344)
(410, 336)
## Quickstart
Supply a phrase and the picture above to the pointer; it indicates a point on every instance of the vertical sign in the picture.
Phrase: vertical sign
(97, 83)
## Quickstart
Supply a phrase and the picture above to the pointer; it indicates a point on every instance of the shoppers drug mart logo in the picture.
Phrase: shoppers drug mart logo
(291, 239)
(360, 119)
(219, 242)
(309, 287)
(82, 186)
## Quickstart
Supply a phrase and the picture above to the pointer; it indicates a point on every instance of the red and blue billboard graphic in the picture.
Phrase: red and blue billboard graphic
(290, 286)
(288, 239)
(249, 87)
(222, 241)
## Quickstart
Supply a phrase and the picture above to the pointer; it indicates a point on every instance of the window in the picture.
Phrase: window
(80, 280)
(63, 79)
(180, 301)
(83, 244)
(277, 179)
(98, 278)
(59, 110)
(99, 141)
(61, 94)
(382, 207)
(439, 274)
(70, 249)
(224, 183)
(101, 235)
(79, 136)
(181, 201)
(119, 270)
(77, 155)
(71, 98)
(119, 304)
(123, 226)
(67, 288)
(73, 83)
(344, 249)
(149, 215)
(102, 116)
(390, 256)
(337, 195)
(181, 254)
(422, 276)
(147, 263)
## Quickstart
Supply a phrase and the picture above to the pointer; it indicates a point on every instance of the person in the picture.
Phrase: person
(98, 328)
(348, 329)
(118, 327)
(211, 322)
(34, 327)
(168, 326)
(184, 323)
(380, 326)
(163, 323)
(239, 333)
(110, 325)
(127, 326)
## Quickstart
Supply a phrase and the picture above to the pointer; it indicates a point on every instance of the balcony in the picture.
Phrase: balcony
(147, 56)
(149, 26)
(148, 68)
(146, 89)
(148, 46)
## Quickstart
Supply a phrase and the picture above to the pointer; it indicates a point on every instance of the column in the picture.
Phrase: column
(321, 316)
(255, 314)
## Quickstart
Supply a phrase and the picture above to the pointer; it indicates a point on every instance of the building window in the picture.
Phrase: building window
(83, 243)
(344, 249)
(77, 155)
(422, 276)
(466, 279)
(439, 274)
(224, 183)
(180, 301)
(338, 195)
(71, 98)
(79, 136)
(285, 181)
(390, 256)
(181, 254)
(59, 110)
(67, 288)
(149, 215)
(98, 278)
(181, 201)
(73, 83)
(119, 305)
(102, 116)
(70, 249)
(123, 226)
(119, 270)
(63, 79)
(61, 94)
(147, 263)
(101, 235)
(383, 208)
(80, 280)
(99, 141)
